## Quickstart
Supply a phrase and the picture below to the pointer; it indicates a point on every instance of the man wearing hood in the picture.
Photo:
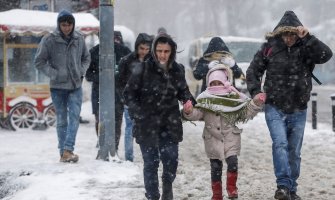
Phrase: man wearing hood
(215, 51)
(64, 58)
(152, 94)
(127, 64)
(288, 58)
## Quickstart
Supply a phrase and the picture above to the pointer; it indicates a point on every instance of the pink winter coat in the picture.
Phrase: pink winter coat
(220, 138)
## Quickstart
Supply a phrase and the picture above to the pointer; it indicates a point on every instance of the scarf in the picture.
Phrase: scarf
(230, 106)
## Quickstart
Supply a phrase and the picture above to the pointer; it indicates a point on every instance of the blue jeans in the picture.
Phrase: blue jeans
(167, 152)
(67, 106)
(128, 136)
(287, 133)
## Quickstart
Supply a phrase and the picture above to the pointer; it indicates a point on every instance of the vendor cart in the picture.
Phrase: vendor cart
(24, 91)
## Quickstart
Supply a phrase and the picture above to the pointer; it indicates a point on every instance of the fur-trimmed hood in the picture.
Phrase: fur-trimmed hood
(288, 23)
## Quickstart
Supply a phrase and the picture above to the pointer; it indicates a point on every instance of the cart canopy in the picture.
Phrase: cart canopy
(38, 23)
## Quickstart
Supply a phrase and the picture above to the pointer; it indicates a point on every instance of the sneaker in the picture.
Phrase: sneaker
(282, 193)
(294, 196)
(69, 156)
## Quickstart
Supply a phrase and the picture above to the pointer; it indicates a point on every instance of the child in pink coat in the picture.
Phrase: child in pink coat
(221, 107)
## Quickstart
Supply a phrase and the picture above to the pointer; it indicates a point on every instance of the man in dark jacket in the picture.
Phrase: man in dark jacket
(152, 94)
(215, 47)
(127, 64)
(288, 57)
(92, 75)
(63, 56)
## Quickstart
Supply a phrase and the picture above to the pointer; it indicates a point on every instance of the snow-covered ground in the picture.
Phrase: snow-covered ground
(30, 167)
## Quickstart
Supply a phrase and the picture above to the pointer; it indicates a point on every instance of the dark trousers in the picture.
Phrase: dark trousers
(167, 152)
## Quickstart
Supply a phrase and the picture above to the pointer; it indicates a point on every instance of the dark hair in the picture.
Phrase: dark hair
(66, 18)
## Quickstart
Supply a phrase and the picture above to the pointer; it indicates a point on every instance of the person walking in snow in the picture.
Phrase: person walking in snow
(215, 51)
(92, 75)
(127, 65)
(64, 57)
(288, 57)
(152, 95)
(221, 106)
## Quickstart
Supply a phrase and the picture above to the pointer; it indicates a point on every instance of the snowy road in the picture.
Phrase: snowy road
(29, 167)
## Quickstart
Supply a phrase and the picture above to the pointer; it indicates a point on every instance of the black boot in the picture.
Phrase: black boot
(167, 191)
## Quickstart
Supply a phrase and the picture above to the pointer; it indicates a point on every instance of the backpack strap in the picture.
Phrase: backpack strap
(311, 68)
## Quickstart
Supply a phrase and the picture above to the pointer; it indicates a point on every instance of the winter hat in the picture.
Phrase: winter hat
(218, 75)
(288, 23)
(224, 74)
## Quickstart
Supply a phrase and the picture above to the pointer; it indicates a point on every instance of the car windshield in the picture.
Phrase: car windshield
(242, 51)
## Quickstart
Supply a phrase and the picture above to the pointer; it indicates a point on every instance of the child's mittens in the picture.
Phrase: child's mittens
(259, 99)
(188, 107)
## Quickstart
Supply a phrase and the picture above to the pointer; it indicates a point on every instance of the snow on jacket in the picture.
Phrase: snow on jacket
(64, 63)
(152, 96)
(221, 138)
(288, 80)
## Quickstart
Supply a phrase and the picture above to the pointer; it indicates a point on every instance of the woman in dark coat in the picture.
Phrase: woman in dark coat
(152, 94)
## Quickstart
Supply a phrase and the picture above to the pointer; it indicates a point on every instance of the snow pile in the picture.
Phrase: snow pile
(30, 167)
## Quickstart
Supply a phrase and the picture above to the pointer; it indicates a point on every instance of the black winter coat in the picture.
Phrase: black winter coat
(126, 67)
(152, 97)
(288, 80)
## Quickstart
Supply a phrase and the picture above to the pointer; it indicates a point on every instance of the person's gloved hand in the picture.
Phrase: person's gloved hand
(259, 99)
(188, 107)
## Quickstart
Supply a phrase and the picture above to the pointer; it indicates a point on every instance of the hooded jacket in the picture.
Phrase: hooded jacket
(65, 62)
(128, 63)
(288, 80)
(216, 45)
(152, 96)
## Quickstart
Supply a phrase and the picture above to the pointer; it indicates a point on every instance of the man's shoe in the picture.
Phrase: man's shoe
(69, 156)
(282, 193)
(294, 196)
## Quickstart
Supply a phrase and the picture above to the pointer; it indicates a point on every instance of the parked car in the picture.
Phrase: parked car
(242, 48)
